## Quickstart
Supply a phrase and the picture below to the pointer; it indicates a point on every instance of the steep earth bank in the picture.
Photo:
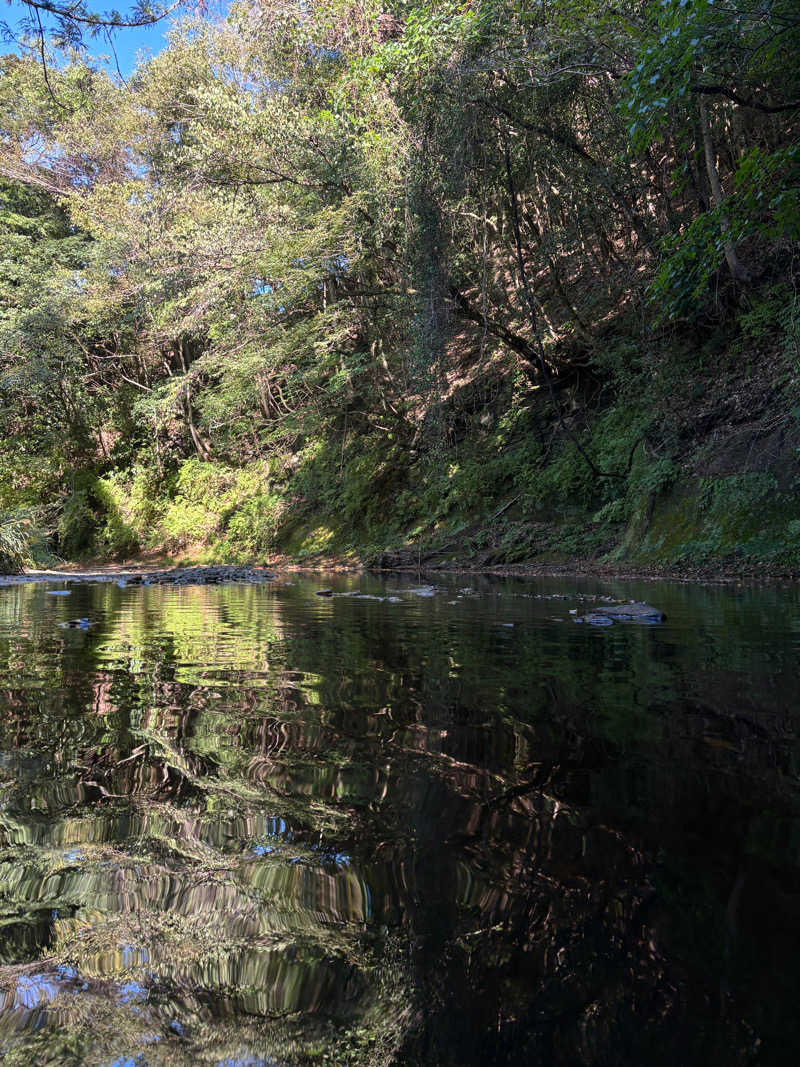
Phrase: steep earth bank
(698, 478)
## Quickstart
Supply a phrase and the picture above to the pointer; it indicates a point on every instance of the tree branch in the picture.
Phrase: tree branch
(76, 13)
(539, 350)
(756, 105)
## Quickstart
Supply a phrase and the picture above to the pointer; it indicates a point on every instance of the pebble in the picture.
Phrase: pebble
(197, 576)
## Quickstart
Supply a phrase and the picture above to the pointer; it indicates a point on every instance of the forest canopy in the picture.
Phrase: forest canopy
(348, 275)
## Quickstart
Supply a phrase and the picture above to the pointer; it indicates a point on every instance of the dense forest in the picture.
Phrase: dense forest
(497, 280)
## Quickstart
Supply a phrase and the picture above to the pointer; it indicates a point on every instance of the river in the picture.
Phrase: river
(423, 821)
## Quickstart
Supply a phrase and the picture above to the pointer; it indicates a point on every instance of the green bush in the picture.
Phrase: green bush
(96, 520)
(229, 508)
(252, 525)
(114, 534)
(77, 525)
(147, 500)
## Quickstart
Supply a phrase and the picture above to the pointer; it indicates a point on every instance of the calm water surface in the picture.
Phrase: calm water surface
(246, 825)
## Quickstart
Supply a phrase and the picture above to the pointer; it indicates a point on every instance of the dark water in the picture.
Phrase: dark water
(247, 825)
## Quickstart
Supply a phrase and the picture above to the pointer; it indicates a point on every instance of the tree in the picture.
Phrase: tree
(739, 58)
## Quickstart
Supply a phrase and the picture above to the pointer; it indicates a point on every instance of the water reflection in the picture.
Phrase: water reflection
(431, 824)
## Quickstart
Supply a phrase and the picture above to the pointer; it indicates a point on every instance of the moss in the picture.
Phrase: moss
(740, 515)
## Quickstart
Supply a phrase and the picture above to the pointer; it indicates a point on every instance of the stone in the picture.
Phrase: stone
(633, 611)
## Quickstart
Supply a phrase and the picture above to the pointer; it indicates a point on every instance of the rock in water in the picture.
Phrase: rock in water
(631, 612)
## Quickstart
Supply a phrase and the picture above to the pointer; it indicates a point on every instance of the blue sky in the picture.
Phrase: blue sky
(127, 43)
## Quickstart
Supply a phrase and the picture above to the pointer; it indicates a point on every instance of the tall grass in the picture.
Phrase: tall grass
(18, 536)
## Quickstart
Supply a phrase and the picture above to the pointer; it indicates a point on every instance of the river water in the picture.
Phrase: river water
(437, 822)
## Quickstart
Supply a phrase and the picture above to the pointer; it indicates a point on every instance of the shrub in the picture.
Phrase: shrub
(77, 525)
(95, 520)
(115, 536)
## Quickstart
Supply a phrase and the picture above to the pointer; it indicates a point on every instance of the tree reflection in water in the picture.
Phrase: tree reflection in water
(244, 825)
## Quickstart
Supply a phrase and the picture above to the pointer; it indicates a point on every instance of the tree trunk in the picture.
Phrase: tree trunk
(739, 272)
(202, 449)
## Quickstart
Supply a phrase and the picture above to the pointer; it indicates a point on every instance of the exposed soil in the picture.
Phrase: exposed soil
(138, 573)
(580, 568)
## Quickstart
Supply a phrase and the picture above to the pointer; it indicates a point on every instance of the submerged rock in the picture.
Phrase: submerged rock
(595, 619)
(633, 611)
(630, 612)
(358, 595)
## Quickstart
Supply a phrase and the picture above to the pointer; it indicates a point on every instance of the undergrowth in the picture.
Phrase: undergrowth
(501, 487)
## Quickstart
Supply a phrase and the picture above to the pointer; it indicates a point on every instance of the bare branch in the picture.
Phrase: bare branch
(77, 14)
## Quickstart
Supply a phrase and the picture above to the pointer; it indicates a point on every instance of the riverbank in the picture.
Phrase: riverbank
(125, 575)
(717, 498)
(182, 571)
(711, 494)
(583, 568)
(681, 475)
